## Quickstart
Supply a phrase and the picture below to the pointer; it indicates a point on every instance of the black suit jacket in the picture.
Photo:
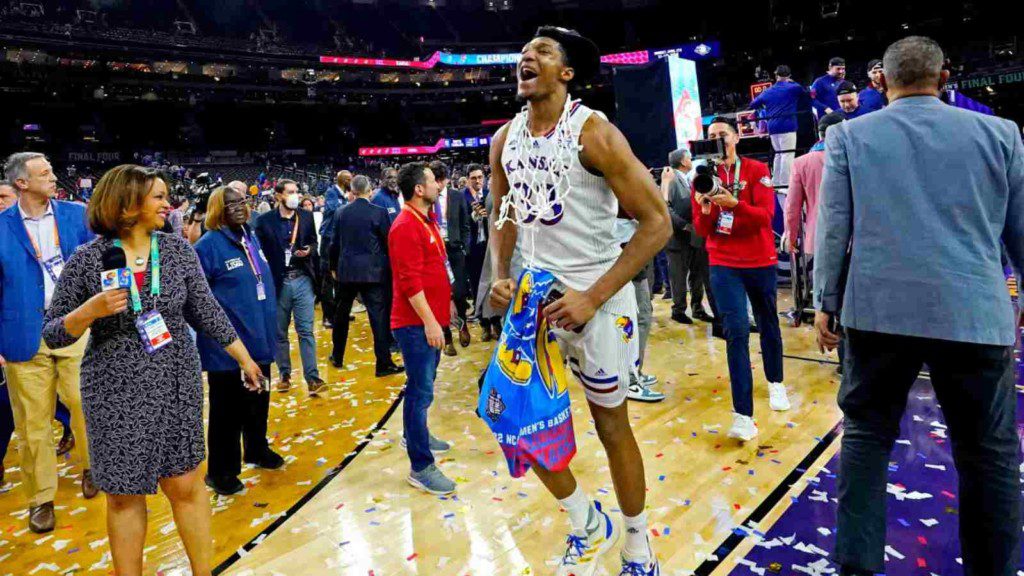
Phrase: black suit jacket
(359, 245)
(272, 239)
(474, 226)
(459, 224)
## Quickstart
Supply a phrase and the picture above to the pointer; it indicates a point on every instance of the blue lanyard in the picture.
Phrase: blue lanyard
(154, 284)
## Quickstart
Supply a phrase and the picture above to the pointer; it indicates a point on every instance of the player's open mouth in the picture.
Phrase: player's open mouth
(527, 74)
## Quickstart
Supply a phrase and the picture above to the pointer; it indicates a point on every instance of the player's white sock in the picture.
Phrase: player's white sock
(636, 548)
(580, 510)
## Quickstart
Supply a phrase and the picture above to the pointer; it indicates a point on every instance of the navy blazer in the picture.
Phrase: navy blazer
(268, 230)
(233, 284)
(474, 225)
(927, 195)
(21, 278)
(359, 247)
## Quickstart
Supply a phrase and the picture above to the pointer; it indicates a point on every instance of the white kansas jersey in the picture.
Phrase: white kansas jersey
(576, 240)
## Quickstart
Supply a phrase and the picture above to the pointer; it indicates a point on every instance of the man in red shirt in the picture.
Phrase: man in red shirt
(421, 279)
(736, 219)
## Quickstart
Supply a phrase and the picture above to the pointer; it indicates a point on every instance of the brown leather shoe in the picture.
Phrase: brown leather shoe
(486, 336)
(41, 518)
(89, 490)
(464, 338)
(449, 350)
(284, 384)
(67, 442)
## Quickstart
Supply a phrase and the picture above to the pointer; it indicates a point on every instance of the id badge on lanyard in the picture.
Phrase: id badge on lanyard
(726, 218)
(54, 266)
(152, 328)
(252, 255)
(291, 245)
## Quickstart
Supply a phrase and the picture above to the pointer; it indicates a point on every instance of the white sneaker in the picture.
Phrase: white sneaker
(358, 308)
(743, 428)
(777, 398)
(582, 553)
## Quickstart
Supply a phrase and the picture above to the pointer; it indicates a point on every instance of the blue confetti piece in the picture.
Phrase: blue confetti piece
(450, 515)
(369, 510)
(713, 431)
(790, 425)
(751, 471)
(795, 499)
(694, 434)
(522, 494)
(666, 531)
(661, 478)
(903, 522)
(374, 523)
(686, 503)
(774, 461)
(602, 491)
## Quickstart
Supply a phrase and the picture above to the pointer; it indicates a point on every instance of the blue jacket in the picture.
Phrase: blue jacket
(359, 250)
(929, 195)
(385, 199)
(233, 284)
(823, 94)
(860, 111)
(780, 103)
(335, 200)
(871, 100)
(21, 278)
(270, 232)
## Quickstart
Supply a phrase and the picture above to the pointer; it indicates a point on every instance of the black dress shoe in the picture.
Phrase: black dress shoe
(389, 371)
(224, 485)
(270, 460)
(717, 330)
(754, 329)
(682, 318)
(336, 363)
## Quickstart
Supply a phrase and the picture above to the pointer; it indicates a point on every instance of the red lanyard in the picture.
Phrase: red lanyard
(431, 230)
(35, 245)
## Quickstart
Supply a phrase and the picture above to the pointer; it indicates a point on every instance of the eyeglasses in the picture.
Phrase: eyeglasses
(234, 203)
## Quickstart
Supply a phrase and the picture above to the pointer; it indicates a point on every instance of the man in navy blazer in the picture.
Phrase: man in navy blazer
(358, 257)
(924, 197)
(40, 234)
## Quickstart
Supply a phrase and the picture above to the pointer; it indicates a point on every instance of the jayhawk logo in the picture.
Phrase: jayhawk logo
(625, 325)
(550, 364)
(513, 364)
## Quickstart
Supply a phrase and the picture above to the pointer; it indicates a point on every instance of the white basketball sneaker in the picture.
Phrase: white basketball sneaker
(777, 398)
(582, 552)
(743, 428)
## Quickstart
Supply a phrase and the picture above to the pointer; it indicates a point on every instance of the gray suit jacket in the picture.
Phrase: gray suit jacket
(927, 193)
(681, 212)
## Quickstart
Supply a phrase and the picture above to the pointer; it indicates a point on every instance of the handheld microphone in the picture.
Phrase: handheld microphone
(116, 275)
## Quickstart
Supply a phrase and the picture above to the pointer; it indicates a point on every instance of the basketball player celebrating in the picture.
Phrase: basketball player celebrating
(585, 163)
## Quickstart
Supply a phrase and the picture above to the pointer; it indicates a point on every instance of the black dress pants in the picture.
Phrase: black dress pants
(374, 295)
(976, 388)
(235, 411)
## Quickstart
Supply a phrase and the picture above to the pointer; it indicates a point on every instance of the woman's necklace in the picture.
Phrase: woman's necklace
(139, 260)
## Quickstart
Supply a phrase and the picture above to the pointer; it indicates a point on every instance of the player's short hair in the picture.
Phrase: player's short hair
(581, 54)
(913, 60)
(411, 175)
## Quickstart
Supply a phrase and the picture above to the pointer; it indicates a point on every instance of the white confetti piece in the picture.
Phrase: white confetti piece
(889, 550)
(929, 522)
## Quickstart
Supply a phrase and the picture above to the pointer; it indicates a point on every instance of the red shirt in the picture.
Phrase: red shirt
(752, 242)
(418, 263)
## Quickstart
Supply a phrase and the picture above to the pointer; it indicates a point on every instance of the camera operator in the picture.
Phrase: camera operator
(733, 204)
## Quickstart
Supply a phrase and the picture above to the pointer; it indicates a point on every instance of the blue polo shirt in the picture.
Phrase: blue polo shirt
(780, 103)
(233, 282)
(871, 100)
(387, 200)
(823, 93)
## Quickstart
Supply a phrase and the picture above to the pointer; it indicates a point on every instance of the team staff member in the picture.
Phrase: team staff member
(423, 293)
(288, 238)
(849, 102)
(823, 90)
(240, 280)
(873, 98)
(40, 235)
(143, 397)
(779, 103)
(741, 246)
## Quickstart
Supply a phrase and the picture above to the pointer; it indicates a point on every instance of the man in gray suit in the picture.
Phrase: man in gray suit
(926, 196)
(685, 248)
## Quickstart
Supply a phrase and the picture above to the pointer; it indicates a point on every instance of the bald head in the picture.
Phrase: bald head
(344, 179)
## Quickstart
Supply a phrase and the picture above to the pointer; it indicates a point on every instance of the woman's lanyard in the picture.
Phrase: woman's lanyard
(249, 248)
(154, 283)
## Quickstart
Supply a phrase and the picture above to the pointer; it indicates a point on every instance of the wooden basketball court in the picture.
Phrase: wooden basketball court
(342, 506)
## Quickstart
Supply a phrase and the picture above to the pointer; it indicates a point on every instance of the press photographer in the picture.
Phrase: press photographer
(733, 203)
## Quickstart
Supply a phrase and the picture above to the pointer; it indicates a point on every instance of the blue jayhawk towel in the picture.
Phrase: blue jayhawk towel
(525, 395)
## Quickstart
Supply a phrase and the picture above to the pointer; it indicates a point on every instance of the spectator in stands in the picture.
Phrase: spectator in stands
(823, 90)
(43, 234)
(849, 101)
(872, 98)
(738, 226)
(358, 261)
(452, 214)
(240, 280)
(779, 104)
(8, 197)
(289, 241)
(422, 289)
(925, 285)
(387, 195)
(476, 195)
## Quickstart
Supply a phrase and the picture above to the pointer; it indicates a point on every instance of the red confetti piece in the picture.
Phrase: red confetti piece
(922, 540)
(658, 455)
(655, 532)
(921, 563)
(949, 495)
(736, 506)
(411, 557)
(726, 468)
(496, 499)
(339, 506)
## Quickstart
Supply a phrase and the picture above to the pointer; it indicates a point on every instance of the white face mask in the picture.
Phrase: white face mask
(292, 201)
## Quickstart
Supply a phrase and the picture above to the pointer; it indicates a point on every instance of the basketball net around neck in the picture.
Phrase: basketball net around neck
(539, 185)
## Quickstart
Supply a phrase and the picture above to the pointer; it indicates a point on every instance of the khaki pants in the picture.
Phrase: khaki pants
(33, 387)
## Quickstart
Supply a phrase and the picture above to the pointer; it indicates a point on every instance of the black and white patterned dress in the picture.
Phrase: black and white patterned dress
(143, 413)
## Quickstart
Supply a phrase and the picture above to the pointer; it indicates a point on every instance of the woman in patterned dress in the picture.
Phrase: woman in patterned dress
(143, 404)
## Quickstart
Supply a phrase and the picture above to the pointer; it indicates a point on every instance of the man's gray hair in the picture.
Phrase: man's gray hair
(913, 60)
(16, 164)
(360, 185)
(675, 157)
